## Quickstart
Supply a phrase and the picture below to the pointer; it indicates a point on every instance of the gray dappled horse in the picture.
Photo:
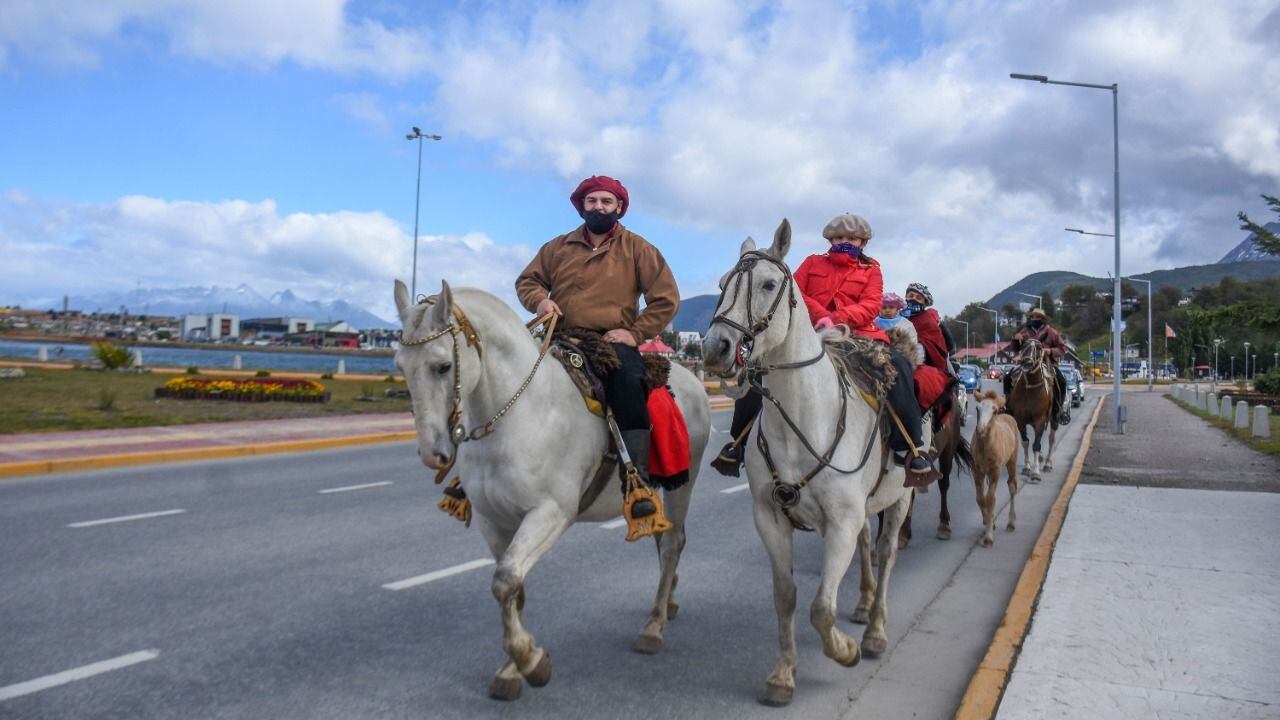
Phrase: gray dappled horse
(526, 471)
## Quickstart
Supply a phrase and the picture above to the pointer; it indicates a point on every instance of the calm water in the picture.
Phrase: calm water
(186, 357)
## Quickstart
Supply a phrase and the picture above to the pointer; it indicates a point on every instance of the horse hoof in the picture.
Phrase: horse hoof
(1009, 527)
(1035, 479)
(874, 646)
(861, 616)
(672, 610)
(944, 533)
(902, 542)
(505, 688)
(987, 542)
(853, 658)
(777, 695)
(541, 674)
(648, 644)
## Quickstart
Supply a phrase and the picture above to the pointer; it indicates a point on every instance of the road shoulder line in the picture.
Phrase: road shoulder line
(986, 687)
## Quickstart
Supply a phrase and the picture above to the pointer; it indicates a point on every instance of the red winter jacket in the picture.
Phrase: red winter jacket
(929, 331)
(846, 290)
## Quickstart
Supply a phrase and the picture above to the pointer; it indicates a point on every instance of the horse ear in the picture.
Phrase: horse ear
(748, 245)
(781, 240)
(442, 310)
(402, 303)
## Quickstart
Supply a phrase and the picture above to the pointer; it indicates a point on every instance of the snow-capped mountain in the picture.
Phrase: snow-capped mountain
(241, 300)
(1246, 251)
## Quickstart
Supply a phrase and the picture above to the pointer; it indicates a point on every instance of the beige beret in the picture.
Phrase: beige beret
(849, 225)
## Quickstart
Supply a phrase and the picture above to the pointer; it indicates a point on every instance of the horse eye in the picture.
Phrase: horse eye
(770, 285)
(444, 368)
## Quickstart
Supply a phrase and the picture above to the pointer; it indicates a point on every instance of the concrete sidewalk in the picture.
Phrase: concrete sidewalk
(35, 453)
(1163, 595)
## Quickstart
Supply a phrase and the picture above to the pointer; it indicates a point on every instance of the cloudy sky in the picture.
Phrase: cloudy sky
(199, 142)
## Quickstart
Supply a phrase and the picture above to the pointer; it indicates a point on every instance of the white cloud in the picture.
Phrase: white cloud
(365, 107)
(86, 248)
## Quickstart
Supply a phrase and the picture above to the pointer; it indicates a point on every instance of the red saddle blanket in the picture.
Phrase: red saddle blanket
(931, 384)
(668, 440)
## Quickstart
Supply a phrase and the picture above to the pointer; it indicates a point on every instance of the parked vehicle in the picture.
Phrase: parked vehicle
(995, 372)
(1075, 383)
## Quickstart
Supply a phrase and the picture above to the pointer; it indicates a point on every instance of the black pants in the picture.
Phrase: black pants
(624, 390)
(902, 396)
(1059, 388)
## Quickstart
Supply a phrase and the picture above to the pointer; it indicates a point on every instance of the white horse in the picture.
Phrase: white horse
(761, 322)
(525, 481)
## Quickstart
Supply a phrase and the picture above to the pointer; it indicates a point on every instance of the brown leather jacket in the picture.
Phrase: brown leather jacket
(1046, 336)
(598, 288)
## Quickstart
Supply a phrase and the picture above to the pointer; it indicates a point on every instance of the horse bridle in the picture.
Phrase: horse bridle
(1034, 351)
(785, 495)
(458, 432)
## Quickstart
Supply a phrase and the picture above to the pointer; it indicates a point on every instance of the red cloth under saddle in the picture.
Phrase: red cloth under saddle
(669, 438)
(931, 384)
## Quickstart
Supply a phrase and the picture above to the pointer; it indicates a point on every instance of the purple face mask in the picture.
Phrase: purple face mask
(849, 249)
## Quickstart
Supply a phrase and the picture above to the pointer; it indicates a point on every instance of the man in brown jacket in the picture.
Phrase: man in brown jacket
(593, 278)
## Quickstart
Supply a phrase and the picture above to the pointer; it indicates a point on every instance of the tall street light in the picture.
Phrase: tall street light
(995, 324)
(1117, 413)
(419, 136)
(1246, 363)
(1039, 300)
(966, 331)
(1151, 363)
(1217, 343)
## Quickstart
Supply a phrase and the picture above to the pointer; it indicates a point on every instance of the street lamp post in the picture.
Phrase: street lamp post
(1039, 300)
(1217, 343)
(966, 332)
(1117, 413)
(1246, 363)
(995, 331)
(1151, 362)
(419, 136)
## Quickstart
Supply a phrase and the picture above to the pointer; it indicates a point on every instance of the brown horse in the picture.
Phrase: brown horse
(949, 446)
(995, 446)
(1030, 402)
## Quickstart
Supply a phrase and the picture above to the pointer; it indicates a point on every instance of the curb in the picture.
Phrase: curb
(986, 687)
(98, 462)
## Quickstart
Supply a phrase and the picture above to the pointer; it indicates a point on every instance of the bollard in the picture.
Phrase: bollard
(1242, 415)
(43, 354)
(137, 358)
(1211, 404)
(1227, 408)
(342, 366)
(235, 363)
(1261, 423)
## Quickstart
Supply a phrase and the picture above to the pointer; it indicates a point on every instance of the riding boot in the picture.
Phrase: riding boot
(902, 397)
(637, 442)
(745, 410)
(1059, 397)
(1007, 380)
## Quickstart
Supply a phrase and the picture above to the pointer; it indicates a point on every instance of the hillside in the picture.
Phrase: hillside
(695, 313)
(1183, 278)
(1247, 251)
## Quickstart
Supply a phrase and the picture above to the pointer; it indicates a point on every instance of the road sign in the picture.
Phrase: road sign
(1098, 353)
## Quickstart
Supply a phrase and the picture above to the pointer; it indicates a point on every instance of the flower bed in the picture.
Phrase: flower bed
(247, 390)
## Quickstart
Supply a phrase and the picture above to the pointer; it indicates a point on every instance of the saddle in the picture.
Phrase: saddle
(588, 359)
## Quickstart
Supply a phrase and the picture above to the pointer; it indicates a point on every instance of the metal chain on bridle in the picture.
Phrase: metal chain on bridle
(458, 432)
(785, 495)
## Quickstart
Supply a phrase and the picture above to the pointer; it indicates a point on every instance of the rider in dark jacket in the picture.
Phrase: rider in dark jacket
(1038, 329)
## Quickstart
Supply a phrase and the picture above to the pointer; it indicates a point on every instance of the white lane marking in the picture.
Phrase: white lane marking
(438, 574)
(735, 488)
(80, 673)
(349, 488)
(614, 524)
(125, 518)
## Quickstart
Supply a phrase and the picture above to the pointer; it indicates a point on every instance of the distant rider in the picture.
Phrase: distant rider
(1038, 329)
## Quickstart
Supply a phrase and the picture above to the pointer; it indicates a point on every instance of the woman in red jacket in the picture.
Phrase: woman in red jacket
(844, 287)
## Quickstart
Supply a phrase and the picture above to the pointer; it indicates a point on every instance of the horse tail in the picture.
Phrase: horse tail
(964, 454)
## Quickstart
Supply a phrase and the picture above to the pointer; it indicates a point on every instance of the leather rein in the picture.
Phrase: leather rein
(458, 432)
(785, 495)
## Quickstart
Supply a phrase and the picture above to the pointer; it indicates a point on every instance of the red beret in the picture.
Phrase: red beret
(601, 182)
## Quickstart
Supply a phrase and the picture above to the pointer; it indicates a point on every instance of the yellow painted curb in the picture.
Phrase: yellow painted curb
(986, 687)
(98, 462)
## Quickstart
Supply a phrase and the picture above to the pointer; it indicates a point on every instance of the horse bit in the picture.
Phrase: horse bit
(785, 495)
(458, 432)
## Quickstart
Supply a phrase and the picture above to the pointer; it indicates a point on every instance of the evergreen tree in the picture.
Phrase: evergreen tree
(1266, 240)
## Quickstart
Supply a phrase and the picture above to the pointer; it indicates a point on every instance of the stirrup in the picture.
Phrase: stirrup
(729, 461)
(642, 508)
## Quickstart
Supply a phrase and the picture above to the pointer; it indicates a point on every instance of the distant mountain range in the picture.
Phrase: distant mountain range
(1247, 251)
(242, 300)
(1183, 278)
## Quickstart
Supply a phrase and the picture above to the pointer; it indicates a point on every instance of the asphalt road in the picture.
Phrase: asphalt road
(264, 597)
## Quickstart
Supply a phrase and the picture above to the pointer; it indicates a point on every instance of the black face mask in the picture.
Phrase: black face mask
(1036, 324)
(598, 222)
